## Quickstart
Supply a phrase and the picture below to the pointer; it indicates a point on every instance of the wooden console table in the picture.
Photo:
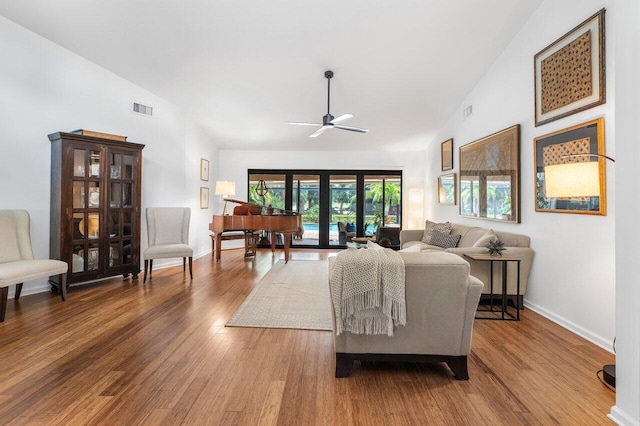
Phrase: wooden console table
(504, 259)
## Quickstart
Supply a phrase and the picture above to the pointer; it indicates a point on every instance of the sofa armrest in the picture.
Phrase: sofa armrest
(407, 235)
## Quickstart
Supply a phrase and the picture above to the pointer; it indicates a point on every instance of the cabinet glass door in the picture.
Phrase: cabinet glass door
(120, 175)
(85, 221)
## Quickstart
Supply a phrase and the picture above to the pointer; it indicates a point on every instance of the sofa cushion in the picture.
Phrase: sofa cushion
(486, 239)
(444, 240)
(413, 248)
(351, 227)
(373, 246)
(431, 227)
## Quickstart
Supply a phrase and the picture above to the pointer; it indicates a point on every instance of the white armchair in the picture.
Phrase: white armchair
(17, 264)
(168, 234)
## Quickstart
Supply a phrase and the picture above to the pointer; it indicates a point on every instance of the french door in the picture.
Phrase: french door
(355, 202)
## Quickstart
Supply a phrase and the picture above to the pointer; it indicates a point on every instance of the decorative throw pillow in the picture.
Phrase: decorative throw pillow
(414, 248)
(351, 227)
(431, 227)
(486, 239)
(444, 240)
(373, 246)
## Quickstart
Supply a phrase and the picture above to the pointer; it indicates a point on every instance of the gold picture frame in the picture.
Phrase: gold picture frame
(447, 189)
(570, 145)
(570, 72)
(204, 169)
(204, 197)
(446, 155)
(489, 181)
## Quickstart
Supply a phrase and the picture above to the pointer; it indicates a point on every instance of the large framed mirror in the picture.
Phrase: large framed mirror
(490, 176)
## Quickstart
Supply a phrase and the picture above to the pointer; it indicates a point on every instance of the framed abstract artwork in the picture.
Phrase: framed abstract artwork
(490, 177)
(204, 169)
(570, 72)
(446, 155)
(570, 170)
(447, 189)
(204, 197)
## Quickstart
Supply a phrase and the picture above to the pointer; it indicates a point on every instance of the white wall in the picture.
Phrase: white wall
(46, 89)
(627, 103)
(573, 276)
(234, 164)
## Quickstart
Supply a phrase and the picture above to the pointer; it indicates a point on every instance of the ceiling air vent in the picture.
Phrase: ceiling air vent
(142, 109)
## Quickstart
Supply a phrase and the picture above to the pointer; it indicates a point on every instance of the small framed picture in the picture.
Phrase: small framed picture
(204, 169)
(446, 154)
(447, 189)
(204, 197)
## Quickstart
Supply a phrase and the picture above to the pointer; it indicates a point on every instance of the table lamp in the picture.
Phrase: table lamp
(578, 180)
(225, 189)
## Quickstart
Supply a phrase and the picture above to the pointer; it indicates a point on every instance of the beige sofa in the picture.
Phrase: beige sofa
(441, 300)
(516, 244)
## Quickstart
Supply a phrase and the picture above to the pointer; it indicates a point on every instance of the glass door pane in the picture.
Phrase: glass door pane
(267, 190)
(383, 198)
(342, 211)
(306, 201)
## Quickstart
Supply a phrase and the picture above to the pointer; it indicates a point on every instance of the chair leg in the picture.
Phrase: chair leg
(16, 296)
(146, 266)
(184, 264)
(191, 267)
(63, 286)
(4, 294)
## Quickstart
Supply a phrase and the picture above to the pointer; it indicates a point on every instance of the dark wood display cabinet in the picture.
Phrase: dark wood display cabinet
(95, 206)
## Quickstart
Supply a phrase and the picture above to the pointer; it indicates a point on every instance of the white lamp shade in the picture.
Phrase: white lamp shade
(572, 180)
(225, 188)
(415, 208)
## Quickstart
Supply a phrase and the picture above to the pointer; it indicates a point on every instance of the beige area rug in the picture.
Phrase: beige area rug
(290, 295)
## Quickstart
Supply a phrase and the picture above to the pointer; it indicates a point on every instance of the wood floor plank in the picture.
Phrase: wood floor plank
(120, 352)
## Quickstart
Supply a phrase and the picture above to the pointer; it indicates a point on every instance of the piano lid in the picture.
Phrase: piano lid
(256, 209)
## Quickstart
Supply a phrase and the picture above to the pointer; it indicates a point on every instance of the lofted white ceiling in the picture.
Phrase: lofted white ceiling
(242, 68)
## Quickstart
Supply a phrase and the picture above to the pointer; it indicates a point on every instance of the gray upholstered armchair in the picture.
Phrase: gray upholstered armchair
(17, 263)
(168, 235)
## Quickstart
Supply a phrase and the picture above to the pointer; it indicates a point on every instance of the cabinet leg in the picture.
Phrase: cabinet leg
(125, 275)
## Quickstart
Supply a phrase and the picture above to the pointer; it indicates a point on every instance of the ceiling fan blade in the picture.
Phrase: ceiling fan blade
(343, 117)
(353, 129)
(297, 123)
(319, 131)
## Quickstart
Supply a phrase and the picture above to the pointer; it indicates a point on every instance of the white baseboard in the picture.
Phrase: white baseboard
(571, 326)
(621, 418)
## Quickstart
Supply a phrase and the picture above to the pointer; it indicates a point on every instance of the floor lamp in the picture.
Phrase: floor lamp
(225, 189)
(580, 179)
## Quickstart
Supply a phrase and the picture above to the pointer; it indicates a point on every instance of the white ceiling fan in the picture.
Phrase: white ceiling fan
(328, 121)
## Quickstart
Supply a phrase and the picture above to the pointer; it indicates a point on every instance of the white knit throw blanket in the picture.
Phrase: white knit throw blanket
(368, 291)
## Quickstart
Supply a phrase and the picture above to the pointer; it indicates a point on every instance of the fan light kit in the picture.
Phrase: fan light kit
(328, 121)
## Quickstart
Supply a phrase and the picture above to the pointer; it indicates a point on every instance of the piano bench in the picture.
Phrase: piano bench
(250, 240)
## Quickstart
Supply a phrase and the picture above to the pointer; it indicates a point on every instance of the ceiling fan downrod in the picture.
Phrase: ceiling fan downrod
(328, 75)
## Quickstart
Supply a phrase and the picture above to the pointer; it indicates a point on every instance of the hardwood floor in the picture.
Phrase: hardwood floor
(121, 352)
